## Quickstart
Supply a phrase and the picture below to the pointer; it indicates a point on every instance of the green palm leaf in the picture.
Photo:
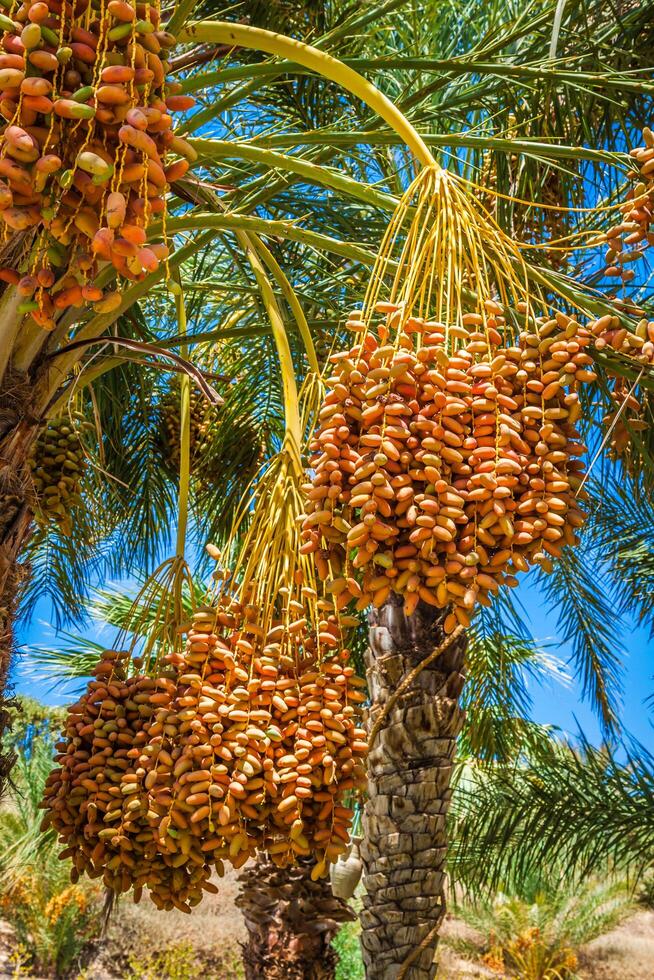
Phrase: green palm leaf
(571, 812)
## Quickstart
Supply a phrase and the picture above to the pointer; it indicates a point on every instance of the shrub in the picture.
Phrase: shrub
(177, 962)
(534, 934)
(52, 918)
(346, 944)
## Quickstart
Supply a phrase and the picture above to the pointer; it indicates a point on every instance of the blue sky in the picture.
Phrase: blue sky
(553, 703)
(563, 706)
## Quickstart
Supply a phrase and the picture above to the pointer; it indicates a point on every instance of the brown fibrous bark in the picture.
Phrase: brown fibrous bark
(291, 921)
(16, 433)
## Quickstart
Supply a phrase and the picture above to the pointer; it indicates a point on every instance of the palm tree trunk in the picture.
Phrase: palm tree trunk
(409, 769)
(291, 921)
(16, 434)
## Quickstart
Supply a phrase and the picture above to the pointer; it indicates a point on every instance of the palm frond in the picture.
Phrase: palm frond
(23, 844)
(571, 812)
(586, 619)
(622, 528)
(501, 659)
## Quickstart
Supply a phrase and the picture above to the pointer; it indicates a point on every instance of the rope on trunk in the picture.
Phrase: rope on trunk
(414, 954)
(406, 683)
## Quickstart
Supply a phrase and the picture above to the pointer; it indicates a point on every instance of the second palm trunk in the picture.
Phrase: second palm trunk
(409, 770)
(290, 920)
(16, 436)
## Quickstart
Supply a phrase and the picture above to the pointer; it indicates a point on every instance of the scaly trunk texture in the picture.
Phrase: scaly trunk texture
(291, 921)
(16, 434)
(409, 769)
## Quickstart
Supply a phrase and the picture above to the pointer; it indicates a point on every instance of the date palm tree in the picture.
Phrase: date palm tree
(519, 100)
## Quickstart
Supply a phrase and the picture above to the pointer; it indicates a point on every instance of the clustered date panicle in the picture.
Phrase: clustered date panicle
(88, 151)
(440, 473)
(249, 739)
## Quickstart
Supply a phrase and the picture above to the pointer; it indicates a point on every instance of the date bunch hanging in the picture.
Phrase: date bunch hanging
(202, 416)
(87, 152)
(446, 458)
(247, 739)
(96, 798)
(627, 242)
(440, 476)
(628, 238)
(58, 462)
(278, 717)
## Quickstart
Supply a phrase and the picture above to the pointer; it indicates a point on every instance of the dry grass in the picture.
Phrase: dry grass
(625, 953)
(214, 931)
(459, 947)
